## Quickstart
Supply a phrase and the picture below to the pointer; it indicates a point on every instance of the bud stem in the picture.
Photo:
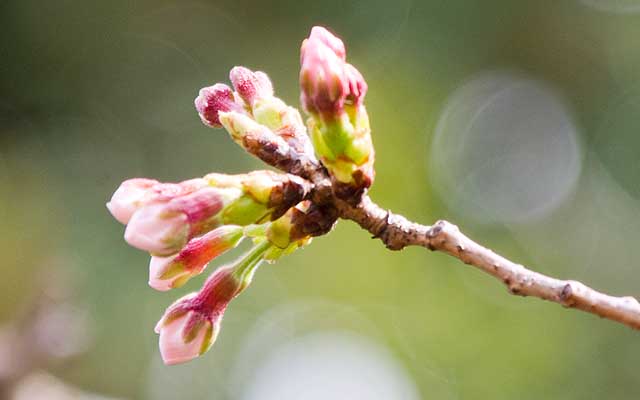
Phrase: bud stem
(247, 266)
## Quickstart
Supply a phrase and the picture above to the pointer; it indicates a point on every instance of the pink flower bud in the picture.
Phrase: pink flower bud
(171, 272)
(326, 80)
(250, 85)
(190, 326)
(214, 99)
(158, 230)
(127, 198)
(135, 193)
(164, 228)
(184, 333)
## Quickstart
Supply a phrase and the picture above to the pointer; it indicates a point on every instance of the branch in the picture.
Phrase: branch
(397, 232)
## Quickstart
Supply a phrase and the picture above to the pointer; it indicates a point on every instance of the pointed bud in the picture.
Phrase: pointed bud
(190, 325)
(171, 272)
(256, 90)
(251, 86)
(128, 197)
(214, 99)
(164, 228)
(333, 93)
(327, 81)
(135, 193)
(184, 332)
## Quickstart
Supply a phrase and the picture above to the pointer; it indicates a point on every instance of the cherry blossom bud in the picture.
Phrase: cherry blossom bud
(189, 326)
(214, 99)
(174, 271)
(127, 199)
(249, 85)
(240, 125)
(164, 228)
(333, 94)
(277, 192)
(184, 333)
(162, 217)
(327, 81)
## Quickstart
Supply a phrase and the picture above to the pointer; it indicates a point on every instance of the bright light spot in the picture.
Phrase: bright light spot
(329, 365)
(505, 150)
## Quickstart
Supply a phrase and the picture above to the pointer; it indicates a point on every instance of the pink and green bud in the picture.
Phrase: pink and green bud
(275, 191)
(171, 272)
(190, 325)
(129, 197)
(257, 113)
(184, 333)
(327, 81)
(163, 228)
(162, 217)
(135, 193)
(251, 86)
(215, 99)
(333, 94)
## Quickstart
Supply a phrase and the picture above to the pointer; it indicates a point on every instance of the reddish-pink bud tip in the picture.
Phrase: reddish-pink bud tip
(214, 99)
(250, 85)
(190, 325)
(326, 80)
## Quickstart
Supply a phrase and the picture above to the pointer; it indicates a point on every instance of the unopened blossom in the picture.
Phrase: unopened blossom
(214, 99)
(332, 92)
(128, 198)
(163, 228)
(189, 327)
(171, 272)
(135, 193)
(162, 217)
(253, 112)
(251, 86)
(327, 81)
(278, 192)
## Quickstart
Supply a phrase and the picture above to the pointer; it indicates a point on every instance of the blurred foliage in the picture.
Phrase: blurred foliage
(97, 92)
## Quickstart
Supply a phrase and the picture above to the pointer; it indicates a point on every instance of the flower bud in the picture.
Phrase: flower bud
(184, 333)
(164, 228)
(191, 324)
(256, 90)
(333, 94)
(174, 271)
(249, 85)
(162, 217)
(128, 197)
(277, 192)
(214, 99)
(327, 81)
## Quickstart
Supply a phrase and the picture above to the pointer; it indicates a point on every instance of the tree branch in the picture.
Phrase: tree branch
(396, 232)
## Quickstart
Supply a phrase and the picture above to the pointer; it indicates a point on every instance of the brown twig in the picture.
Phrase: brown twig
(397, 232)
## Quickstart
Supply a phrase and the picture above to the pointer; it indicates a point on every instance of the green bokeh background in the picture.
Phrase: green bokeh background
(94, 92)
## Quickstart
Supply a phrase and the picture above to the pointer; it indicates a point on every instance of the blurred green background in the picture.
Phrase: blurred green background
(516, 120)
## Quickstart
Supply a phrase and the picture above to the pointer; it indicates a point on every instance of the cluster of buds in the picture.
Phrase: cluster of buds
(332, 92)
(186, 225)
(252, 114)
(190, 325)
